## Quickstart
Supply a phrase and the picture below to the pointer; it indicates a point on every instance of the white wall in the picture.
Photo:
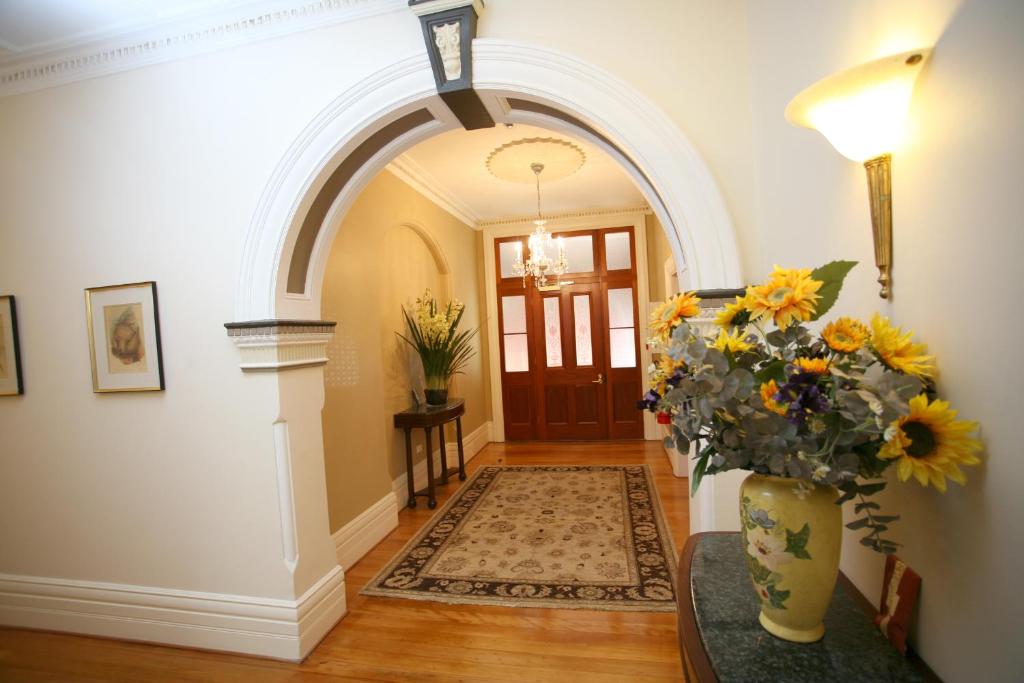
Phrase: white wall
(155, 174)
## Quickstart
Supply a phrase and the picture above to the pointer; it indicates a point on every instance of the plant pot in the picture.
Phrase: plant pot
(792, 540)
(436, 389)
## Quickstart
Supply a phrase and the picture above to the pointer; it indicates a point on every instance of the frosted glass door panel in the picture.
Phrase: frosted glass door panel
(513, 314)
(623, 348)
(507, 256)
(579, 252)
(620, 307)
(616, 251)
(517, 357)
(553, 332)
(582, 325)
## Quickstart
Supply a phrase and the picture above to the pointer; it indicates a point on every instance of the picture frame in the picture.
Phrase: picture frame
(12, 381)
(124, 337)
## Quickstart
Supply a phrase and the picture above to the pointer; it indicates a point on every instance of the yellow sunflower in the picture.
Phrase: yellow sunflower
(898, 351)
(788, 296)
(727, 314)
(768, 391)
(815, 366)
(668, 315)
(931, 444)
(663, 371)
(845, 335)
(731, 342)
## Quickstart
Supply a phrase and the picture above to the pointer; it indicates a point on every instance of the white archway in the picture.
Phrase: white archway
(569, 94)
(677, 182)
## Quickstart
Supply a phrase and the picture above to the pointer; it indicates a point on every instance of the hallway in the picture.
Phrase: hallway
(383, 639)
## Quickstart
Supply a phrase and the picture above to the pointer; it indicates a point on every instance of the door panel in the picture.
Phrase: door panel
(570, 357)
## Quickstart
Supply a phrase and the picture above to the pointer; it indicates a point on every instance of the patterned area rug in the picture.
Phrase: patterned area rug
(583, 537)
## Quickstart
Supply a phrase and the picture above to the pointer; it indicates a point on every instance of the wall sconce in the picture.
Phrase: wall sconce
(862, 112)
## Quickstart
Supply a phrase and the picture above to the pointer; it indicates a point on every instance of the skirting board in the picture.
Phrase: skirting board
(358, 537)
(472, 443)
(282, 629)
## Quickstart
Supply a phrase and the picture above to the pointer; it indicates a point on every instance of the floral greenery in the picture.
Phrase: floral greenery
(433, 333)
(837, 408)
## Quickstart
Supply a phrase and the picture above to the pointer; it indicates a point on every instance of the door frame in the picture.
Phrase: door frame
(583, 220)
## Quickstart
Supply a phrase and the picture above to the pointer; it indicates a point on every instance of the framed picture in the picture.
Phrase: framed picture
(11, 383)
(124, 338)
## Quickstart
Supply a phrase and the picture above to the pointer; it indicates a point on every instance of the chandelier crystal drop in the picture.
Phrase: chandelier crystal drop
(539, 265)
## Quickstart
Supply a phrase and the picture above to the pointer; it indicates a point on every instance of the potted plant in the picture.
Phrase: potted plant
(815, 417)
(443, 350)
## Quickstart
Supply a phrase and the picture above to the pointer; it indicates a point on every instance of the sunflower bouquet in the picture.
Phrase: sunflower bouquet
(767, 394)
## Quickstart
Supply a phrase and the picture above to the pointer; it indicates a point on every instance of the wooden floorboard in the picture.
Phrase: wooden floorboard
(390, 639)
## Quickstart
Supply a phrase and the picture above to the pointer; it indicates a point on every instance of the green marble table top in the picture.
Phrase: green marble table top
(726, 610)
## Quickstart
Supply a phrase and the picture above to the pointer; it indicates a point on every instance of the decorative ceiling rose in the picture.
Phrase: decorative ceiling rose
(511, 161)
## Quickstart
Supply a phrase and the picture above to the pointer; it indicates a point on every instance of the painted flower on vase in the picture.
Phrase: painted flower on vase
(768, 549)
(931, 444)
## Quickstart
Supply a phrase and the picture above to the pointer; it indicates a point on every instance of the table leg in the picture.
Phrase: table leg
(431, 501)
(444, 455)
(462, 458)
(408, 469)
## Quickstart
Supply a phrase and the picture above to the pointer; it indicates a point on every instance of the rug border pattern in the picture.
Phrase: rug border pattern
(664, 537)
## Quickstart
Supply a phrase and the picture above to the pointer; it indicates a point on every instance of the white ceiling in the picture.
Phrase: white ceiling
(30, 27)
(454, 164)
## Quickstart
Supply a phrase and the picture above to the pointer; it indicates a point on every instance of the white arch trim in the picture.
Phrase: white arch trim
(699, 229)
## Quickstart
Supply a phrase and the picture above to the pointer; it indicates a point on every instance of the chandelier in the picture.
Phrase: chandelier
(540, 264)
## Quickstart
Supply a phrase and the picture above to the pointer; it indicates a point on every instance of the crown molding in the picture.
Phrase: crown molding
(416, 177)
(180, 39)
(566, 215)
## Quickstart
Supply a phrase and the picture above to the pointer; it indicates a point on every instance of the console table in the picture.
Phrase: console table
(721, 639)
(427, 418)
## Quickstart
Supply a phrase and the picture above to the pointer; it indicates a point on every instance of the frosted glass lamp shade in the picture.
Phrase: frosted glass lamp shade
(861, 111)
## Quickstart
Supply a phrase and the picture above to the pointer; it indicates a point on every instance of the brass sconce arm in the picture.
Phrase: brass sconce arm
(880, 196)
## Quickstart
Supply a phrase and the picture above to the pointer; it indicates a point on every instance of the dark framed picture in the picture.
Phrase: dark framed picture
(11, 382)
(124, 338)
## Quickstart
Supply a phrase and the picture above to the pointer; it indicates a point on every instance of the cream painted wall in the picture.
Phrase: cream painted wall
(155, 174)
(690, 57)
(377, 265)
(658, 251)
(956, 278)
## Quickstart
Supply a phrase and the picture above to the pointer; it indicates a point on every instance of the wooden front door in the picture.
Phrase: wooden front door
(570, 357)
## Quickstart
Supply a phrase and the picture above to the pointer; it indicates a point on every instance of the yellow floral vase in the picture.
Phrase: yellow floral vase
(791, 532)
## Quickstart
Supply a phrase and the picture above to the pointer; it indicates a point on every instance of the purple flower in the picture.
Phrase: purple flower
(804, 397)
(649, 401)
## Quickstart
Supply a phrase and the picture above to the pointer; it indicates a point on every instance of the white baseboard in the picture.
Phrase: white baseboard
(282, 629)
(358, 537)
(472, 443)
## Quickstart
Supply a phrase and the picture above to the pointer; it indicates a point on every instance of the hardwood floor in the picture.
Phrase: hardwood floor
(385, 639)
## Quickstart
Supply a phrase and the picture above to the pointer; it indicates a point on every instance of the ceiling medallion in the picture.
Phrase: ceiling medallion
(512, 161)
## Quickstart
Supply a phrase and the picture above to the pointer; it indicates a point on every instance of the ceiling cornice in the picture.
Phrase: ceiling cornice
(584, 213)
(180, 39)
(416, 177)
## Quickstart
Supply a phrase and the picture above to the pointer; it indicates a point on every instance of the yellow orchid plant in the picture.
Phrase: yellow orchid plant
(768, 395)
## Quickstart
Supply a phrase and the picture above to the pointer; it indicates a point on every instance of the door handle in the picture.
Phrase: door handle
(599, 380)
